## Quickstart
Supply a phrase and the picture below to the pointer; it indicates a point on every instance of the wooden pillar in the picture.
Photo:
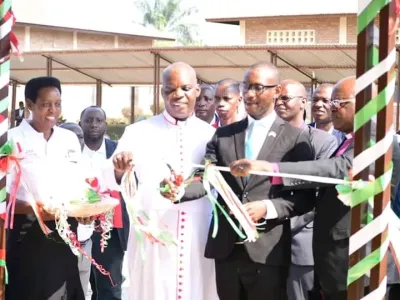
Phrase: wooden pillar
(362, 138)
(156, 86)
(99, 93)
(133, 104)
(383, 128)
(13, 103)
(49, 66)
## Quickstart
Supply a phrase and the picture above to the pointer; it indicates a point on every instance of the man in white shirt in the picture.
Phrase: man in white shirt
(97, 149)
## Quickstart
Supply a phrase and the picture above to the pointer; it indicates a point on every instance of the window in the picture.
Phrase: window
(397, 36)
(290, 37)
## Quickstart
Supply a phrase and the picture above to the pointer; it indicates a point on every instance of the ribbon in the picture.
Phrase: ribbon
(70, 238)
(3, 263)
(213, 177)
(7, 162)
(144, 226)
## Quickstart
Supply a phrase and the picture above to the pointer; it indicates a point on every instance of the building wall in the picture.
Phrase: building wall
(36, 39)
(327, 28)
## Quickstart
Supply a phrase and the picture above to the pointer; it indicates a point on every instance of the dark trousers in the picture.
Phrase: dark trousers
(111, 259)
(41, 268)
(239, 278)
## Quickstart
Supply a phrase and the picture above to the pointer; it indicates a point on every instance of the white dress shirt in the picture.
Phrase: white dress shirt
(261, 131)
(93, 161)
(63, 144)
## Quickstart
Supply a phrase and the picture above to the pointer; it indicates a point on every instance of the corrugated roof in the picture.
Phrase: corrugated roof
(86, 15)
(329, 63)
(236, 10)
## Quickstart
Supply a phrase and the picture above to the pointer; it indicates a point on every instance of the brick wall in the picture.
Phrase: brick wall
(351, 29)
(326, 27)
(54, 39)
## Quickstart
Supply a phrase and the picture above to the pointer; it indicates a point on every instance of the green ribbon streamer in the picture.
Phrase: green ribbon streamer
(4, 8)
(365, 114)
(370, 189)
(369, 13)
(3, 194)
(3, 264)
(6, 149)
(364, 265)
(215, 205)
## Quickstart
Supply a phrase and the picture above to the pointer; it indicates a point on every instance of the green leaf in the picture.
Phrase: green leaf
(92, 196)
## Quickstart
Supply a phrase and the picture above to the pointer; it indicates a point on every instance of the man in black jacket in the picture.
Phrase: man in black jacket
(332, 220)
(96, 150)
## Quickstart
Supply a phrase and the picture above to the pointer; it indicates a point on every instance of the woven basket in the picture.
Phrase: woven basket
(84, 210)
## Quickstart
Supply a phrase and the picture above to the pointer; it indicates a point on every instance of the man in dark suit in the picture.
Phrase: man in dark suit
(290, 106)
(257, 270)
(19, 113)
(96, 150)
(332, 220)
(321, 111)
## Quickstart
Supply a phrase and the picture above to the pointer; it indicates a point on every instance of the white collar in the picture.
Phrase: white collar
(266, 121)
(27, 129)
(170, 119)
(101, 150)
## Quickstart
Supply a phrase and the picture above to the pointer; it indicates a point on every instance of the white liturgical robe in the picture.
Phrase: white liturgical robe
(182, 271)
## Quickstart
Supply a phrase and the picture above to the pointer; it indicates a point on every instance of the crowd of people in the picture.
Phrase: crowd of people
(255, 124)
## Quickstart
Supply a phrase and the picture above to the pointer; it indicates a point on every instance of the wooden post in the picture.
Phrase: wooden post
(133, 103)
(383, 127)
(49, 66)
(99, 93)
(374, 47)
(156, 86)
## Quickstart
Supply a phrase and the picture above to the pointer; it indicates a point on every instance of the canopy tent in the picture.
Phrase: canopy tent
(324, 63)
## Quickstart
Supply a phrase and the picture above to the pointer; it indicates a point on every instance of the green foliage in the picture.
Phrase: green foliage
(170, 16)
(115, 131)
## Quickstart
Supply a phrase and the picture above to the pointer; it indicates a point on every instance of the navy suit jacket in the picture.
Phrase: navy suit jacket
(123, 233)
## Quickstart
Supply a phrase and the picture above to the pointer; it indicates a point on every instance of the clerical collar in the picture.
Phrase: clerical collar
(170, 119)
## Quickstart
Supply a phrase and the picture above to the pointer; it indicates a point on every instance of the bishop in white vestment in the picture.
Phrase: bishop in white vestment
(178, 138)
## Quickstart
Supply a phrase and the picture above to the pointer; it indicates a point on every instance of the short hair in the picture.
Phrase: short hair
(230, 83)
(93, 107)
(205, 86)
(21, 103)
(33, 86)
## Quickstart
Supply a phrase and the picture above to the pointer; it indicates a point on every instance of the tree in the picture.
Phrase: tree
(170, 16)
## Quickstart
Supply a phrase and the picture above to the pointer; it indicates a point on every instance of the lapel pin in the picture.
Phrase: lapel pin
(272, 133)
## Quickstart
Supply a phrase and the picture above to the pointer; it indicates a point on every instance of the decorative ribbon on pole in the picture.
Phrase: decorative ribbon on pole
(373, 64)
(5, 49)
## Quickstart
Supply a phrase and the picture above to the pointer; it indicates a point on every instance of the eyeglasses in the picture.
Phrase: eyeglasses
(256, 88)
(286, 98)
(336, 103)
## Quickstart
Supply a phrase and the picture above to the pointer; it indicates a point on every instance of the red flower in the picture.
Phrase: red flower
(179, 180)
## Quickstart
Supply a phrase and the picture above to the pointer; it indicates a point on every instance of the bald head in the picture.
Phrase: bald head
(229, 83)
(291, 103)
(179, 67)
(343, 104)
(294, 87)
(180, 90)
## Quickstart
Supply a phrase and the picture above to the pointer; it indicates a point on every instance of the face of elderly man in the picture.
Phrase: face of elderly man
(180, 90)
